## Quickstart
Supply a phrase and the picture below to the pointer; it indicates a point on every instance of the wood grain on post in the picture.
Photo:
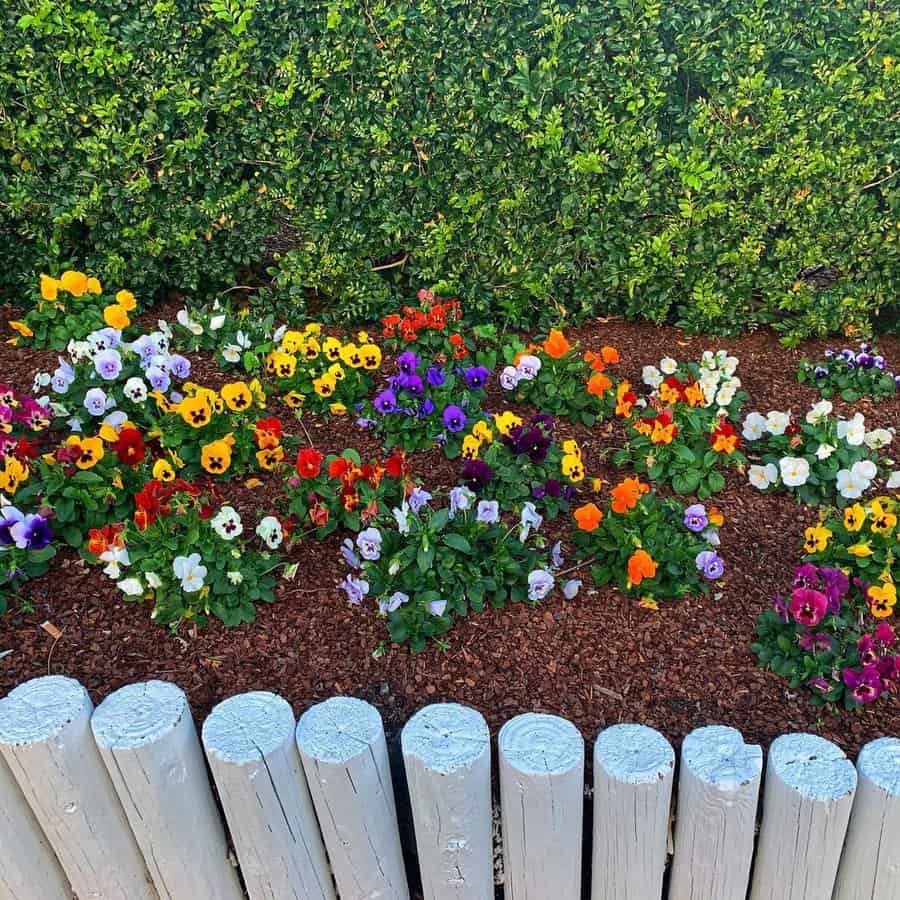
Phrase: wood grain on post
(718, 792)
(447, 755)
(870, 864)
(29, 869)
(634, 770)
(150, 747)
(542, 807)
(809, 791)
(344, 754)
(46, 740)
(250, 745)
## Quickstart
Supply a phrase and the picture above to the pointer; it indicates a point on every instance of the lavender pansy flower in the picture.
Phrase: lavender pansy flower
(488, 512)
(369, 543)
(540, 583)
(695, 518)
(530, 518)
(356, 589)
(418, 498)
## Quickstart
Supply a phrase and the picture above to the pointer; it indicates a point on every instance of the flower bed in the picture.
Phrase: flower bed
(215, 487)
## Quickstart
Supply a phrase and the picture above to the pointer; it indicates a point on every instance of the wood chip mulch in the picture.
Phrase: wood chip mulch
(597, 660)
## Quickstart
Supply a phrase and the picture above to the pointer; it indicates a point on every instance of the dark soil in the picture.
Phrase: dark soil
(597, 660)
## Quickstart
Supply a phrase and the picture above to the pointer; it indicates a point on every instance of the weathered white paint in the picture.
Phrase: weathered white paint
(634, 770)
(542, 803)
(447, 754)
(29, 869)
(718, 791)
(870, 865)
(344, 753)
(45, 738)
(808, 794)
(249, 742)
(149, 744)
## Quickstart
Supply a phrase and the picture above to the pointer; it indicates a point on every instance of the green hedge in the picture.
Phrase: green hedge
(684, 161)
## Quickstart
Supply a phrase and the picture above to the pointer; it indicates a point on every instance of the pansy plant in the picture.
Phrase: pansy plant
(817, 457)
(424, 568)
(651, 548)
(560, 379)
(851, 374)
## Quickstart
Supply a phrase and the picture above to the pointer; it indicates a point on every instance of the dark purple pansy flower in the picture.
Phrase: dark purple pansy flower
(476, 473)
(476, 376)
(553, 488)
(820, 371)
(865, 361)
(814, 643)
(836, 585)
(542, 420)
(386, 402)
(454, 419)
(806, 575)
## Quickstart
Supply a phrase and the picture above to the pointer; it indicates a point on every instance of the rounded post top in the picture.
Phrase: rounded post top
(446, 737)
(879, 761)
(248, 726)
(139, 714)
(338, 729)
(812, 766)
(40, 708)
(718, 755)
(634, 754)
(541, 744)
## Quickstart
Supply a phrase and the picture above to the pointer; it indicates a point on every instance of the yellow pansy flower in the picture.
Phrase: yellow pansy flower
(126, 300)
(163, 471)
(292, 342)
(216, 456)
(270, 457)
(281, 365)
(91, 451)
(74, 283)
(325, 385)
(13, 474)
(860, 550)
(572, 467)
(481, 430)
(331, 347)
(571, 448)
(49, 287)
(196, 411)
(21, 328)
(506, 421)
(259, 395)
(93, 286)
(311, 348)
(351, 355)
(371, 355)
(338, 409)
(817, 539)
(336, 371)
(470, 447)
(293, 399)
(237, 396)
(884, 519)
(854, 516)
(116, 316)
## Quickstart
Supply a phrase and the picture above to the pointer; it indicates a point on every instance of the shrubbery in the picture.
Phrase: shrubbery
(719, 165)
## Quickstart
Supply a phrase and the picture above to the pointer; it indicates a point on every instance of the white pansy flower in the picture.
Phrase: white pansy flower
(794, 470)
(755, 426)
(851, 485)
(893, 483)
(853, 431)
(762, 477)
(216, 322)
(185, 321)
(235, 578)
(878, 438)
(231, 353)
(824, 451)
(269, 529)
(131, 587)
(528, 367)
(864, 468)
(724, 397)
(115, 557)
(509, 378)
(729, 365)
(651, 376)
(668, 366)
(227, 523)
(135, 389)
(818, 413)
(777, 422)
(190, 571)
(153, 579)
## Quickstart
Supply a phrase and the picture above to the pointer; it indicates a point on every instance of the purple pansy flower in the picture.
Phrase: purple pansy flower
(865, 686)
(454, 419)
(435, 376)
(695, 518)
(476, 376)
(408, 362)
(710, 564)
(386, 402)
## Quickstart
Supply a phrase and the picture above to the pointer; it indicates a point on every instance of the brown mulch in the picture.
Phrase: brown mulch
(597, 660)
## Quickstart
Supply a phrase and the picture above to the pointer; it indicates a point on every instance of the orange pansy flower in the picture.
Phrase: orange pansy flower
(598, 384)
(610, 355)
(641, 565)
(556, 344)
(588, 516)
(626, 494)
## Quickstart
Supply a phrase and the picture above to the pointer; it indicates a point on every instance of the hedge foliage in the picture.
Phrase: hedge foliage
(718, 164)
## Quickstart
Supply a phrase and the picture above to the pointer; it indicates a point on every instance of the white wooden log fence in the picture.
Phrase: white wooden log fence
(117, 803)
